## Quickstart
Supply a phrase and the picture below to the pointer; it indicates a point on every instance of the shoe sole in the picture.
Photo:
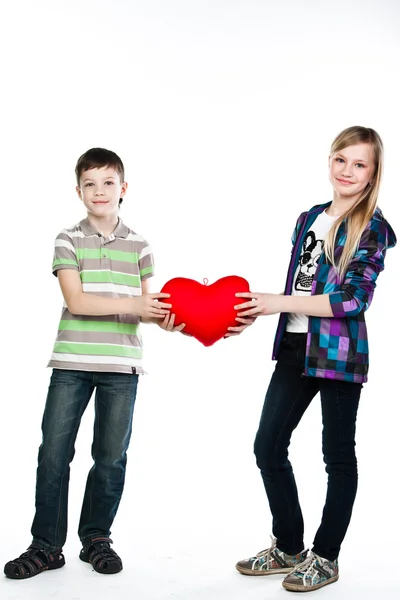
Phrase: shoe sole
(245, 571)
(42, 570)
(293, 587)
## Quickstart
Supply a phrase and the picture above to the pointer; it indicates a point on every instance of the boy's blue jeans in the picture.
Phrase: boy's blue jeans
(68, 396)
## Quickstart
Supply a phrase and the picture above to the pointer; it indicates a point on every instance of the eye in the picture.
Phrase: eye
(88, 184)
(338, 159)
(360, 165)
(109, 183)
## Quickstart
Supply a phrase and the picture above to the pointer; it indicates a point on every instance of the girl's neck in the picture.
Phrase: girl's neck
(339, 206)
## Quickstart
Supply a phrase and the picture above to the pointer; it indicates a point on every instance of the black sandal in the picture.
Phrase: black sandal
(99, 554)
(34, 561)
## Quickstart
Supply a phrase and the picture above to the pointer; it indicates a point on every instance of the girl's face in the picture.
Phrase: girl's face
(351, 170)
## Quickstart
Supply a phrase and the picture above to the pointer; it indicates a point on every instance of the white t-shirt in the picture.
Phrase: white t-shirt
(308, 262)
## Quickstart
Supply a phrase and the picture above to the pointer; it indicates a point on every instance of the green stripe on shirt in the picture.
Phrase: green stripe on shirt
(98, 326)
(64, 261)
(146, 271)
(97, 253)
(97, 349)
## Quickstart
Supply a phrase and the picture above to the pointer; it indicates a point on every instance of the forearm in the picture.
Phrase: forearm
(91, 305)
(312, 306)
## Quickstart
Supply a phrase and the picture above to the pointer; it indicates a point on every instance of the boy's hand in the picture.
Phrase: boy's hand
(168, 324)
(147, 306)
(247, 321)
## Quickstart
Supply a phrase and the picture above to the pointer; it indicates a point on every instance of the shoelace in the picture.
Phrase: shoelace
(306, 567)
(266, 553)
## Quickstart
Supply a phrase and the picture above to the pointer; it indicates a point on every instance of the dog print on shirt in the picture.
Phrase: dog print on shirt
(309, 257)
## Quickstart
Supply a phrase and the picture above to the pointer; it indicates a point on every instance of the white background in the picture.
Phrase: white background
(223, 113)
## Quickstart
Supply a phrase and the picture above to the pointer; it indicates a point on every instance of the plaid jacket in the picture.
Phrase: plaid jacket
(337, 347)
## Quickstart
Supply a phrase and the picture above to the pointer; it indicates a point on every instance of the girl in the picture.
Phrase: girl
(321, 346)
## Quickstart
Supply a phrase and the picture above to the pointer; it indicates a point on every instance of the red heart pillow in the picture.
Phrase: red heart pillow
(207, 310)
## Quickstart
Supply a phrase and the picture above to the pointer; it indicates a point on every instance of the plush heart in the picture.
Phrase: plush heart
(207, 310)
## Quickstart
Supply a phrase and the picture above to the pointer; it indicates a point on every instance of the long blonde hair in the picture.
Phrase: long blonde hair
(359, 215)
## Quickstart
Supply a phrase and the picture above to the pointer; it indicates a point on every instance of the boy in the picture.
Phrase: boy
(103, 269)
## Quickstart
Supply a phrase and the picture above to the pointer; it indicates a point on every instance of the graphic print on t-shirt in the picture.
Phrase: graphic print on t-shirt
(309, 257)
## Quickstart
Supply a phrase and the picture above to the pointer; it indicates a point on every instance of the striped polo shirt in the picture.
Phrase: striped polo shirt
(112, 266)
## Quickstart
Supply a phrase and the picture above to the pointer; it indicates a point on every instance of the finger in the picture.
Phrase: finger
(250, 312)
(171, 323)
(155, 312)
(160, 295)
(238, 329)
(159, 311)
(180, 327)
(228, 335)
(246, 321)
(162, 305)
(244, 305)
(247, 295)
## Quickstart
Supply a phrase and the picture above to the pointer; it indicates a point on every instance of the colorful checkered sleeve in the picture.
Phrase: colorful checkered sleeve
(359, 283)
(299, 224)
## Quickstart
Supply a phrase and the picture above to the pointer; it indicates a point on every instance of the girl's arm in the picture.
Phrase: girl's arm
(353, 296)
(270, 304)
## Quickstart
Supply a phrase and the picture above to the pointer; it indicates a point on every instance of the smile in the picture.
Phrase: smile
(344, 181)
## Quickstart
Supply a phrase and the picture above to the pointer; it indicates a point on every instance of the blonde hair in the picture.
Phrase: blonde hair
(359, 215)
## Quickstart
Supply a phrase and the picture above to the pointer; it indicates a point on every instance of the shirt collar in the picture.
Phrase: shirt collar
(121, 230)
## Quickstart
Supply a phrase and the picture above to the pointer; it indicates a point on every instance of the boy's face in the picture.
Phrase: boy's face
(100, 191)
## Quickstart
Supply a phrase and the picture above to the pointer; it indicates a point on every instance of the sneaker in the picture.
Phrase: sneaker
(99, 554)
(313, 573)
(34, 561)
(270, 561)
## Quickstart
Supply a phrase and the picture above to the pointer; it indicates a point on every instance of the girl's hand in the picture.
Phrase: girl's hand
(237, 330)
(168, 324)
(260, 304)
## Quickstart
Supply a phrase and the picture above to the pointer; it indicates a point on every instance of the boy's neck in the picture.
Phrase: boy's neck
(104, 226)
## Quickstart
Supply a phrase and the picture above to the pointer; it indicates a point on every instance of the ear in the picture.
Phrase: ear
(124, 187)
(79, 192)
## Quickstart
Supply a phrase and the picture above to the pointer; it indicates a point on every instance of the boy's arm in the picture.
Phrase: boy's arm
(81, 303)
(146, 290)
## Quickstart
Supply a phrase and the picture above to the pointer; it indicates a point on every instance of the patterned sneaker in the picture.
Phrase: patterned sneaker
(270, 561)
(313, 573)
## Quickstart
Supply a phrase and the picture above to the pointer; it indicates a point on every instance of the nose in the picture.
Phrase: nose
(347, 171)
(99, 192)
